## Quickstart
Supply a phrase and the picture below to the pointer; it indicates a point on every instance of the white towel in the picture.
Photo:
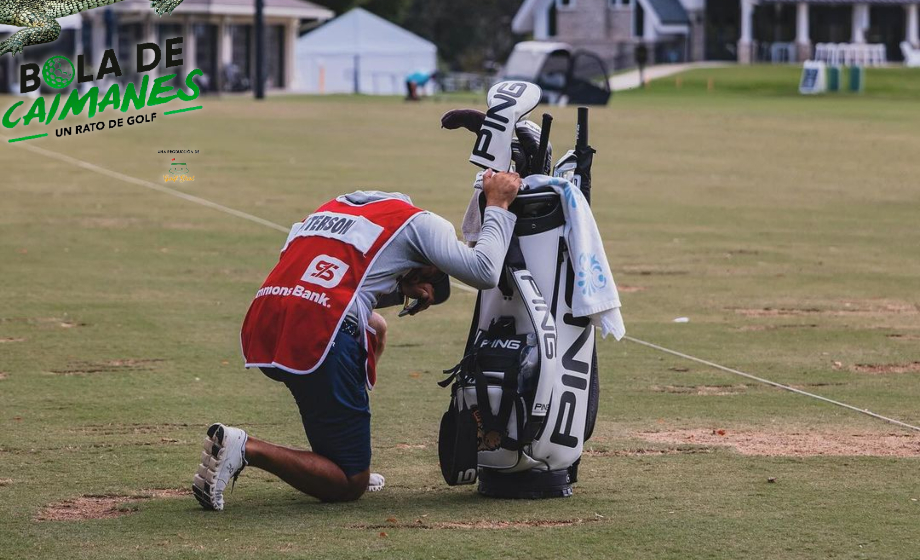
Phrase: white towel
(472, 220)
(596, 295)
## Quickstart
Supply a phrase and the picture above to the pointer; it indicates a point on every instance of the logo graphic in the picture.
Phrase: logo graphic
(103, 104)
(58, 72)
(178, 171)
(590, 274)
(40, 16)
(325, 271)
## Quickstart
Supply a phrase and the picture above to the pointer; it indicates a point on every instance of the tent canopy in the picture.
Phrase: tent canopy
(360, 32)
(360, 52)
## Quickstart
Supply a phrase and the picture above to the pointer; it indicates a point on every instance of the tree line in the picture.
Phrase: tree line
(471, 35)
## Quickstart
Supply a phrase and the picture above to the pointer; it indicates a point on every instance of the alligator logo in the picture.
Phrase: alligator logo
(39, 18)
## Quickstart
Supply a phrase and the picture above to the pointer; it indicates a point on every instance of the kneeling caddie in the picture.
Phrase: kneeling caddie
(312, 326)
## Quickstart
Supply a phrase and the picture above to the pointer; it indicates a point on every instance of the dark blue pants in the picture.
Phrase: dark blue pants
(334, 405)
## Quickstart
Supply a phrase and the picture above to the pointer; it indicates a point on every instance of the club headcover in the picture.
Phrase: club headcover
(509, 102)
(528, 134)
(470, 119)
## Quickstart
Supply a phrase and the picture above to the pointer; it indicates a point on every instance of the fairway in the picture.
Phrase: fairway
(784, 228)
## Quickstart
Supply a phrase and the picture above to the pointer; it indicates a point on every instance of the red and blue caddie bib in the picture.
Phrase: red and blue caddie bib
(300, 307)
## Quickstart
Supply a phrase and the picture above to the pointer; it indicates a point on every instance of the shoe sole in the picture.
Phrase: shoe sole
(203, 493)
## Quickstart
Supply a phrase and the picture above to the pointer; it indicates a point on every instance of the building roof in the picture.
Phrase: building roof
(359, 31)
(273, 8)
(846, 2)
(524, 19)
(670, 12)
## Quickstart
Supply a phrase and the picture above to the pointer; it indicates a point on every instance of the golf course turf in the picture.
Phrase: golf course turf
(784, 228)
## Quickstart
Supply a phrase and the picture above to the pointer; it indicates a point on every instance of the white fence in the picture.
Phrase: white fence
(851, 54)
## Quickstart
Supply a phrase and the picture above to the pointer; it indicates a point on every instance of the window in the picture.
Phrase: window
(613, 4)
(565, 4)
(551, 21)
(639, 22)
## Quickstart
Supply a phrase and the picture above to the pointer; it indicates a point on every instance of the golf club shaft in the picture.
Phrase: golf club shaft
(544, 143)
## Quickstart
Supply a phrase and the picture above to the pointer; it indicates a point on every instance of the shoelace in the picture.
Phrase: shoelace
(237, 475)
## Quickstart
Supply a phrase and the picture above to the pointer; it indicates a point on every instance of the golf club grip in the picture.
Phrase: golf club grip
(581, 129)
(544, 142)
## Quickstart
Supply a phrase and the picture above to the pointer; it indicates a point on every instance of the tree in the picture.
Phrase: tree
(468, 33)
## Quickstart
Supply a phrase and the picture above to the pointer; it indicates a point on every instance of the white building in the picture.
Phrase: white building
(743, 30)
(360, 52)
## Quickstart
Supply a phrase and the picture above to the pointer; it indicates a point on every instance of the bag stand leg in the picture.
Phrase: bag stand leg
(527, 485)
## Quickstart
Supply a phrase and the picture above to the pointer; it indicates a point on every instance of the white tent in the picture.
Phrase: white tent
(359, 51)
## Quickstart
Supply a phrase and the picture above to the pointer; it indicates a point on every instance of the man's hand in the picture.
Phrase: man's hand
(500, 188)
(417, 285)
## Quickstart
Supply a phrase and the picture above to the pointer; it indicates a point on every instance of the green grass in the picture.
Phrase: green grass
(712, 206)
(781, 80)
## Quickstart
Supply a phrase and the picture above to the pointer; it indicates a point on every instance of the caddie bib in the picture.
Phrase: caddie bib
(300, 307)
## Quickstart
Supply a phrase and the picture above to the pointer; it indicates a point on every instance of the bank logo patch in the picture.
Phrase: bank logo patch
(325, 271)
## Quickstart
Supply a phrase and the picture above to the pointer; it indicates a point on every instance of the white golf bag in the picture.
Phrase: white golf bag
(525, 394)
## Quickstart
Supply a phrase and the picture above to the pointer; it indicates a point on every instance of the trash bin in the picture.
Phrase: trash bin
(833, 78)
(857, 78)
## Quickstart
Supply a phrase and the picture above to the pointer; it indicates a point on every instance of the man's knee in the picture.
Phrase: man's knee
(354, 489)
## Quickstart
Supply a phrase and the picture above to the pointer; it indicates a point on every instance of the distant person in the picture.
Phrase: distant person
(415, 81)
(312, 326)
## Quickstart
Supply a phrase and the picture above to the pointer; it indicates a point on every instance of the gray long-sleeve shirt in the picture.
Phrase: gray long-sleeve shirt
(429, 239)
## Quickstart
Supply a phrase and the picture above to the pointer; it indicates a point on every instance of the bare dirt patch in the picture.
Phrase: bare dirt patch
(62, 322)
(898, 336)
(411, 446)
(647, 451)
(630, 289)
(3, 375)
(5, 482)
(795, 444)
(818, 384)
(109, 222)
(7, 340)
(483, 524)
(880, 369)
(111, 366)
(701, 390)
(104, 506)
(656, 272)
(776, 312)
(123, 429)
(865, 308)
(775, 327)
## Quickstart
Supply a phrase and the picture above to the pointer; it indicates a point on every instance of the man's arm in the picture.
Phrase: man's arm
(480, 266)
(435, 241)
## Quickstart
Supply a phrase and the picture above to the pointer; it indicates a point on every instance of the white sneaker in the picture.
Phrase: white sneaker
(376, 482)
(223, 459)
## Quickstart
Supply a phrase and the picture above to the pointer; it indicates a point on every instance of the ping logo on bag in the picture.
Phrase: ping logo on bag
(326, 271)
(507, 343)
(508, 93)
(466, 477)
(509, 102)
